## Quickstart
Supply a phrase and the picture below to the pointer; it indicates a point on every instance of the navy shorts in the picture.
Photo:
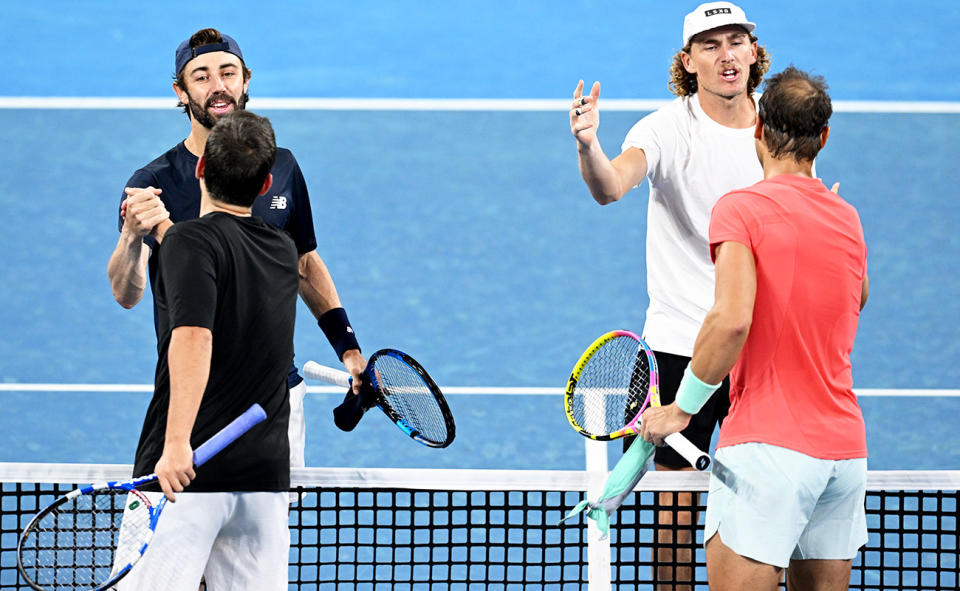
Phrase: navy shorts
(700, 430)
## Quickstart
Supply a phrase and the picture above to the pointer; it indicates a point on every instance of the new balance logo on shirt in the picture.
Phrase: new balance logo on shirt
(278, 202)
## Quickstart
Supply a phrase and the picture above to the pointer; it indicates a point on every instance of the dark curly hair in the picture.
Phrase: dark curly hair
(683, 83)
(795, 109)
(239, 154)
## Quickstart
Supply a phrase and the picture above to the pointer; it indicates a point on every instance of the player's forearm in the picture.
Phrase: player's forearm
(160, 230)
(127, 269)
(316, 285)
(320, 296)
(601, 177)
(188, 358)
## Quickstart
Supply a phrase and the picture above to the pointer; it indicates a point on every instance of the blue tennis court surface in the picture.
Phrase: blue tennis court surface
(464, 238)
(867, 49)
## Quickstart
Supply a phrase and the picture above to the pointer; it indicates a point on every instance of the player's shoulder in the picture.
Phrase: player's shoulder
(223, 223)
(197, 228)
(285, 156)
(680, 108)
(672, 117)
(285, 162)
(848, 209)
(746, 196)
(213, 231)
(190, 241)
(678, 105)
(176, 157)
(172, 162)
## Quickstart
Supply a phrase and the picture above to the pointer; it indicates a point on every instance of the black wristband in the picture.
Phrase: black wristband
(336, 327)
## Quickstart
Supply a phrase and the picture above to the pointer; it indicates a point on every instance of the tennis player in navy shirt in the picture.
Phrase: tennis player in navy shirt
(211, 81)
(226, 523)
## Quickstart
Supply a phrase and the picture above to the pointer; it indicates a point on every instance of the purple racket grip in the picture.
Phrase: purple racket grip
(228, 434)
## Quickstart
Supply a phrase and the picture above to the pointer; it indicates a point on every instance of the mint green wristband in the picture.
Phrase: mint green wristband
(693, 393)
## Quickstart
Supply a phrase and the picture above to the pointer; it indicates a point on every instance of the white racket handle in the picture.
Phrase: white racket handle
(315, 371)
(690, 452)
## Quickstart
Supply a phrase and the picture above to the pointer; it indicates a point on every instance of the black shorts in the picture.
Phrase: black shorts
(700, 430)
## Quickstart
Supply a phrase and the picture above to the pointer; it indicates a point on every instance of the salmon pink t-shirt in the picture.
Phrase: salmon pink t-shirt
(792, 386)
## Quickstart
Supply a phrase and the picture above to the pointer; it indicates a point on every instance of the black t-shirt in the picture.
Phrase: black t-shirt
(239, 278)
(285, 206)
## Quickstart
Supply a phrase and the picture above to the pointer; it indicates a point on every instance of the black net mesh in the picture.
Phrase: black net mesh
(397, 537)
(403, 539)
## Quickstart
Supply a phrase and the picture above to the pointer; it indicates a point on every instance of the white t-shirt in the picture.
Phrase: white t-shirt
(691, 162)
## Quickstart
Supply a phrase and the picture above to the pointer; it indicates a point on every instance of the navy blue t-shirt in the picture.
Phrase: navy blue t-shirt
(286, 205)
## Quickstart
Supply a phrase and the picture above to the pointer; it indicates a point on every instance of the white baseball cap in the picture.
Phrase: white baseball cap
(712, 15)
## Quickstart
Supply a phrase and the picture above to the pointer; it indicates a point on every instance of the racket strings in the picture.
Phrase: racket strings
(411, 398)
(81, 543)
(612, 386)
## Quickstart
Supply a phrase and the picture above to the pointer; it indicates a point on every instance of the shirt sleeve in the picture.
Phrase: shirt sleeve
(729, 223)
(300, 226)
(645, 135)
(188, 271)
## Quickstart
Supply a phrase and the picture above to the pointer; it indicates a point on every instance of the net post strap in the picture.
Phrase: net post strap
(598, 542)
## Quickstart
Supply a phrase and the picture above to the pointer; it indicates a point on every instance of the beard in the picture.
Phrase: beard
(207, 119)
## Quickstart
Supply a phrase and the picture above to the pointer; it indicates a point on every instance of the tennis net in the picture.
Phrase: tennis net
(488, 529)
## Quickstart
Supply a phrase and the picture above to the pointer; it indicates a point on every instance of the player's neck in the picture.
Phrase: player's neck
(776, 166)
(197, 140)
(210, 204)
(737, 112)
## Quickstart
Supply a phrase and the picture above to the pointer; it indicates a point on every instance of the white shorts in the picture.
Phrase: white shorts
(298, 429)
(297, 432)
(774, 504)
(236, 541)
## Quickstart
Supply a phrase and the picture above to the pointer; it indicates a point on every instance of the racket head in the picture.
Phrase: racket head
(89, 538)
(612, 383)
(410, 398)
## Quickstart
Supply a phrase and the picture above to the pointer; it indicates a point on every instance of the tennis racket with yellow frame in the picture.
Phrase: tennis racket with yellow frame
(611, 385)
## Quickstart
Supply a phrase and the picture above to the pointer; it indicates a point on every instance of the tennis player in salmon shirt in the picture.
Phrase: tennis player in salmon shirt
(788, 486)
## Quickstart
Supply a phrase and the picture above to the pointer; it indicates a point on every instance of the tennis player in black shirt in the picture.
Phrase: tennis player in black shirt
(226, 293)
(211, 80)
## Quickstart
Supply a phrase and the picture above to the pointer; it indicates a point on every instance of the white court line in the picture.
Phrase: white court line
(467, 390)
(427, 104)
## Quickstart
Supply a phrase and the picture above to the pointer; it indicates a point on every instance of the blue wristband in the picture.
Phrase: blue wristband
(336, 327)
(693, 393)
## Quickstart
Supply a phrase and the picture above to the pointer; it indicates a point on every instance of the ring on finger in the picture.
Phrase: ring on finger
(583, 100)
(577, 111)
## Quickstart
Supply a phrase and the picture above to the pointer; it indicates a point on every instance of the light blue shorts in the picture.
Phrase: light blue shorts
(774, 504)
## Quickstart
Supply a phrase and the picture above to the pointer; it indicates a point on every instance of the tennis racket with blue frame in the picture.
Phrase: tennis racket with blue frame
(401, 388)
(91, 537)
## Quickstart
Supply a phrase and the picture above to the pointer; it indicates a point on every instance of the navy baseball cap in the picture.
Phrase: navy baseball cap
(185, 53)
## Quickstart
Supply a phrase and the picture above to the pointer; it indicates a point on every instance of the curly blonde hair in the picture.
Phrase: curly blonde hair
(683, 83)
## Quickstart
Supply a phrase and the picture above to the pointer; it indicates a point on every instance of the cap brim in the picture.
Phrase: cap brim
(747, 25)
